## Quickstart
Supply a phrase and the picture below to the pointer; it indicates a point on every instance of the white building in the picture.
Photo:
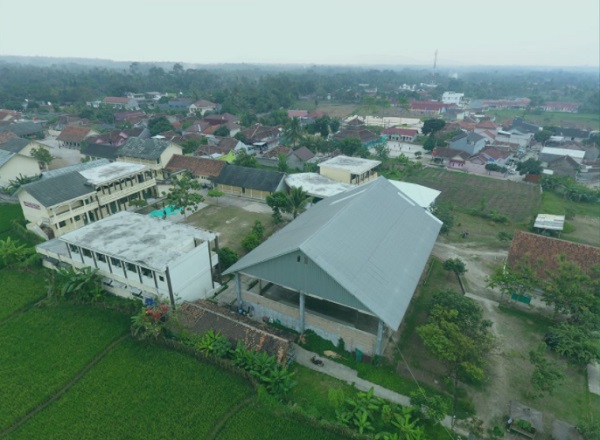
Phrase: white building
(352, 170)
(452, 98)
(59, 204)
(139, 256)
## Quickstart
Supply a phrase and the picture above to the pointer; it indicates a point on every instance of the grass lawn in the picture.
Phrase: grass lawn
(518, 201)
(554, 204)
(141, 391)
(44, 348)
(590, 121)
(19, 289)
(8, 213)
(481, 231)
(232, 223)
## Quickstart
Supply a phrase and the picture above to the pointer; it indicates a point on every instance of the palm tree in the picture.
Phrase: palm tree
(294, 132)
(297, 199)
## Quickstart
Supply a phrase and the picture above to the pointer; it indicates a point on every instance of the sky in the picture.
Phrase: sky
(356, 32)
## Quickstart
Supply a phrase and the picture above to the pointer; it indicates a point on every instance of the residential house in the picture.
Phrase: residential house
(428, 107)
(549, 154)
(28, 129)
(450, 157)
(471, 143)
(562, 107)
(220, 119)
(334, 269)
(356, 129)
(522, 126)
(64, 202)
(564, 166)
(230, 144)
(197, 127)
(121, 103)
(263, 137)
(486, 126)
(117, 138)
(271, 157)
(352, 170)
(453, 98)
(202, 106)
(132, 117)
(153, 153)
(542, 253)
(177, 104)
(74, 135)
(493, 155)
(400, 134)
(299, 157)
(486, 104)
(100, 151)
(205, 171)
(15, 165)
(139, 256)
(7, 116)
(20, 146)
(249, 182)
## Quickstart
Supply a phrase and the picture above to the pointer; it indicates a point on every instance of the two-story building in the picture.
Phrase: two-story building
(152, 153)
(352, 170)
(139, 256)
(65, 202)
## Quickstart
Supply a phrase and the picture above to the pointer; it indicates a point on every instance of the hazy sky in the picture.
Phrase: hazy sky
(509, 32)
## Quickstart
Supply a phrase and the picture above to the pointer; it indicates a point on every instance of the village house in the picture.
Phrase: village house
(252, 183)
(492, 155)
(73, 136)
(334, 269)
(450, 157)
(67, 200)
(549, 154)
(205, 171)
(351, 170)
(471, 143)
(202, 106)
(153, 153)
(121, 103)
(175, 265)
(28, 129)
(562, 107)
(263, 137)
(15, 165)
(18, 145)
(428, 107)
(400, 134)
(564, 166)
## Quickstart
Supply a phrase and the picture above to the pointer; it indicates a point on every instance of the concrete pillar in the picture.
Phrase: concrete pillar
(238, 288)
(379, 346)
(301, 306)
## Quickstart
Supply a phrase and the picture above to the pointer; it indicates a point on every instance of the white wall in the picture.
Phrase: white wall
(191, 274)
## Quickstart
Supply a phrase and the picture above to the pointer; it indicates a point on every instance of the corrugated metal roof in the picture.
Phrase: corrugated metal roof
(15, 145)
(372, 242)
(77, 167)
(50, 192)
(149, 149)
(244, 177)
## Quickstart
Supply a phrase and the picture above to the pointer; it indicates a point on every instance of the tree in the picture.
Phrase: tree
(520, 279)
(254, 237)
(455, 265)
(13, 254)
(79, 285)
(243, 159)
(277, 201)
(42, 155)
(184, 193)
(430, 143)
(546, 375)
(382, 152)
(241, 137)
(434, 407)
(575, 342)
(215, 194)
(458, 336)
(282, 165)
(158, 125)
(190, 145)
(530, 166)
(432, 126)
(444, 214)
(543, 136)
(227, 257)
(294, 132)
(222, 131)
(297, 199)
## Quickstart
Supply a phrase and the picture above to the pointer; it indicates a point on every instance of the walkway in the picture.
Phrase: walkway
(347, 374)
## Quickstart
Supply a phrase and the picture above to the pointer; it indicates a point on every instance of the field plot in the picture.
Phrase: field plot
(584, 120)
(19, 289)
(258, 422)
(44, 348)
(518, 201)
(141, 391)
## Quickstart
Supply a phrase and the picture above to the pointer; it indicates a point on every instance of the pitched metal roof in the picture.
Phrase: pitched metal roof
(5, 156)
(149, 149)
(55, 190)
(371, 242)
(23, 128)
(262, 180)
(77, 167)
(15, 145)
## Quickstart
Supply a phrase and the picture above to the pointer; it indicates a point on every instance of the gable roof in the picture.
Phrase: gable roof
(55, 190)
(496, 153)
(297, 114)
(449, 153)
(204, 103)
(73, 133)
(149, 149)
(539, 248)
(23, 128)
(198, 166)
(104, 151)
(372, 241)
(274, 153)
(262, 180)
(15, 144)
(400, 131)
(77, 167)
(487, 125)
(6, 135)
(303, 153)
(5, 156)
(115, 100)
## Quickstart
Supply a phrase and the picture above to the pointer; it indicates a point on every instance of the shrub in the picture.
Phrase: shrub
(227, 257)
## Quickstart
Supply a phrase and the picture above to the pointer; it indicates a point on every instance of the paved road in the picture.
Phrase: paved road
(350, 376)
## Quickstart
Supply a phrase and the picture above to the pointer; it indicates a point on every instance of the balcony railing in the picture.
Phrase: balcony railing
(125, 192)
(66, 215)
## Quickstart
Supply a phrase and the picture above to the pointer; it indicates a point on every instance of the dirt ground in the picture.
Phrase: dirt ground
(587, 230)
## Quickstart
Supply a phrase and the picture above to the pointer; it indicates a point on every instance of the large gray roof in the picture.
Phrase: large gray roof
(149, 149)
(5, 156)
(254, 178)
(23, 128)
(77, 167)
(55, 190)
(15, 145)
(371, 242)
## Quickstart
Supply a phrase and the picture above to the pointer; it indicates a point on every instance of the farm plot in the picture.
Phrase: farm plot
(44, 348)
(258, 422)
(141, 391)
(518, 201)
(18, 289)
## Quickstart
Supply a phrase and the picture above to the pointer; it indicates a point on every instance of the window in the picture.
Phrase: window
(101, 257)
(61, 224)
(115, 262)
(77, 218)
(131, 267)
(146, 272)
(74, 249)
(86, 252)
(298, 259)
(160, 277)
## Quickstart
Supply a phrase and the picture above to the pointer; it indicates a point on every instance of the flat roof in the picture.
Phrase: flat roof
(550, 221)
(316, 185)
(112, 171)
(354, 165)
(148, 241)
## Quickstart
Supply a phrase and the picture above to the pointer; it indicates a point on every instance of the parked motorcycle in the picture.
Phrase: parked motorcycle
(317, 362)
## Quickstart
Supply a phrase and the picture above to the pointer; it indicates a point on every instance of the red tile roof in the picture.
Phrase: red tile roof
(449, 153)
(205, 103)
(297, 114)
(198, 166)
(115, 100)
(73, 133)
(304, 154)
(275, 152)
(488, 125)
(431, 106)
(545, 251)
(400, 131)
(6, 136)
